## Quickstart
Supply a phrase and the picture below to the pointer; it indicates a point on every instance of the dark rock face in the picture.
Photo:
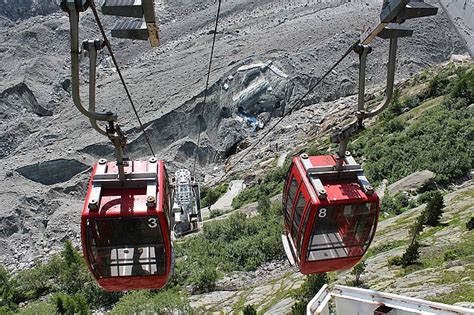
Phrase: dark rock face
(11, 138)
(22, 9)
(99, 150)
(10, 224)
(52, 172)
(20, 97)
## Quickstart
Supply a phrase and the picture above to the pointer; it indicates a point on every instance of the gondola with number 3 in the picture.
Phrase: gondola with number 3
(125, 226)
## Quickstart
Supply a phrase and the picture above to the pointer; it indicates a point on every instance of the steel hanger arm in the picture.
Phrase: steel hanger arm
(92, 47)
(392, 55)
(75, 53)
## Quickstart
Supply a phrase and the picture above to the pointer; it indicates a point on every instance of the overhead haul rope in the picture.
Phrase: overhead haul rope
(292, 108)
(207, 87)
(107, 44)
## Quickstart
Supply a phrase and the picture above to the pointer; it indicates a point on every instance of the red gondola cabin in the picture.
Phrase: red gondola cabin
(330, 216)
(125, 226)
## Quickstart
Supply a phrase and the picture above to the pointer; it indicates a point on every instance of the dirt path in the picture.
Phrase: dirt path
(225, 201)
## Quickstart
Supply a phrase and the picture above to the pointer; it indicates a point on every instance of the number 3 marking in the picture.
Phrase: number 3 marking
(152, 223)
(322, 213)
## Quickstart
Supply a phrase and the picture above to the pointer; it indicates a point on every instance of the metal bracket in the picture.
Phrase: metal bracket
(340, 134)
(75, 5)
(96, 193)
(131, 180)
(134, 29)
(118, 139)
(349, 168)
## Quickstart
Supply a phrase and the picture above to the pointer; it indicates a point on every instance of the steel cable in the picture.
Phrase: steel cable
(206, 88)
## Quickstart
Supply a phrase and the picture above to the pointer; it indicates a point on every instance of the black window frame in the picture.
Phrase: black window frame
(157, 247)
(290, 199)
(354, 243)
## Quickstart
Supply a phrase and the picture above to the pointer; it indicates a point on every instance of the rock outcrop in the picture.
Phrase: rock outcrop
(52, 172)
(26, 8)
(18, 99)
(413, 182)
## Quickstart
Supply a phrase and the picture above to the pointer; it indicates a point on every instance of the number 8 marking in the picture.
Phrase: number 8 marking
(152, 223)
(322, 212)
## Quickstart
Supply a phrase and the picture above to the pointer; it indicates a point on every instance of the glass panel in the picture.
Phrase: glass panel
(298, 213)
(291, 196)
(303, 229)
(126, 246)
(341, 231)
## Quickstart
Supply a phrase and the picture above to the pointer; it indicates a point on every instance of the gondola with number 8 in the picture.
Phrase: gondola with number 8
(330, 216)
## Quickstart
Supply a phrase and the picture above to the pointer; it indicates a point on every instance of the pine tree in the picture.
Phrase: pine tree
(416, 228)
(357, 271)
(412, 254)
(434, 209)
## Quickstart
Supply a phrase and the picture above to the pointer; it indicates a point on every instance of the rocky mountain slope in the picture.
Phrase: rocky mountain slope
(47, 147)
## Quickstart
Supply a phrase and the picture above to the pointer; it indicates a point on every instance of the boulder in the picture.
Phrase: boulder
(19, 99)
(52, 172)
(412, 182)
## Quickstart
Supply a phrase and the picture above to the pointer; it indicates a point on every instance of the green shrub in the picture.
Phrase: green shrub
(136, 302)
(311, 285)
(210, 195)
(395, 261)
(394, 204)
(271, 185)
(165, 301)
(249, 310)
(417, 227)
(411, 102)
(299, 308)
(438, 85)
(235, 243)
(450, 255)
(464, 87)
(205, 278)
(425, 197)
(215, 213)
(8, 302)
(67, 277)
(264, 205)
(470, 224)
(70, 304)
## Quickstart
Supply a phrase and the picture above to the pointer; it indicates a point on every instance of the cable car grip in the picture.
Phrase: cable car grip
(394, 12)
(343, 135)
(119, 140)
